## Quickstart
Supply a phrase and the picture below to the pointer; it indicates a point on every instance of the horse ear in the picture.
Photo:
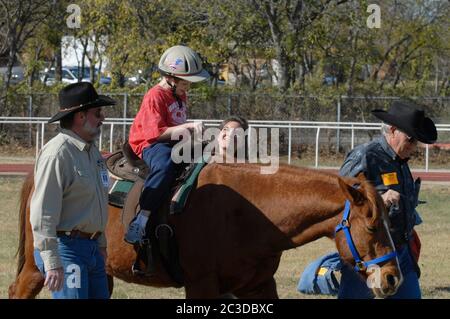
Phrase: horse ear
(361, 177)
(352, 193)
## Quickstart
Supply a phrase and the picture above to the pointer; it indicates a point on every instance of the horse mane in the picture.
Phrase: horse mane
(365, 187)
(283, 169)
(25, 192)
(371, 194)
(374, 200)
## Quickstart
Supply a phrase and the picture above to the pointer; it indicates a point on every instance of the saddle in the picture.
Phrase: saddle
(129, 173)
(126, 165)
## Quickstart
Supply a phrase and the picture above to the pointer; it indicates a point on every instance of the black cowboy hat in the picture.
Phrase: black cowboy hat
(79, 97)
(409, 118)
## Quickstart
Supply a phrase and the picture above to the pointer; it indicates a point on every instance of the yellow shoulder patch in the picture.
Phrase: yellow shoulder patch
(389, 178)
(322, 271)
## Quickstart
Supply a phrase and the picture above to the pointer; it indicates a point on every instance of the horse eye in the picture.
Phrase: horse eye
(372, 229)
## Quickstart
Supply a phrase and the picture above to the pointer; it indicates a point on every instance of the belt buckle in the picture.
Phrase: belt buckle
(93, 235)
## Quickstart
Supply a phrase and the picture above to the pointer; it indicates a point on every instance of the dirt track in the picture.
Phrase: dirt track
(19, 169)
(435, 176)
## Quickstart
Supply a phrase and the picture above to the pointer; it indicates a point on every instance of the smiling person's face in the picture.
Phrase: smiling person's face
(225, 134)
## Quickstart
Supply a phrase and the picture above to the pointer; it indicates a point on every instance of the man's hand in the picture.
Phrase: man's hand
(54, 279)
(390, 198)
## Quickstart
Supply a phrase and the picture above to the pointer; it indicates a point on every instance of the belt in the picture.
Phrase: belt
(79, 234)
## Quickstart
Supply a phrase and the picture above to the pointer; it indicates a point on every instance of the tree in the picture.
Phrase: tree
(411, 39)
(44, 47)
(21, 18)
(237, 37)
(288, 21)
(127, 48)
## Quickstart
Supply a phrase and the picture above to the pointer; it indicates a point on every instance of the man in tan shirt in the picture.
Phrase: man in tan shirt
(69, 203)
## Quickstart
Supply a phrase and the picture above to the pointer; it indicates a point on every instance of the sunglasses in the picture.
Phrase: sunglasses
(410, 139)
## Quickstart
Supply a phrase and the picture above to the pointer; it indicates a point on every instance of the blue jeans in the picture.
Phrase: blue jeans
(352, 286)
(162, 175)
(84, 269)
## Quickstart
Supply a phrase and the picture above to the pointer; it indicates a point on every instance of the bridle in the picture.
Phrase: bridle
(360, 264)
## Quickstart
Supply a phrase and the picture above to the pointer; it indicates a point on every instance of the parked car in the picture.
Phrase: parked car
(70, 75)
(136, 78)
(17, 74)
(329, 80)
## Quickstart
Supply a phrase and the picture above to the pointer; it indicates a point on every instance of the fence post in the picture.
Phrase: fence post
(338, 119)
(111, 138)
(125, 107)
(42, 134)
(353, 138)
(229, 105)
(37, 142)
(249, 138)
(290, 144)
(317, 147)
(30, 114)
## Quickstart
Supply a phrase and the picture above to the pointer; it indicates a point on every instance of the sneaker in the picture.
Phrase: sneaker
(135, 232)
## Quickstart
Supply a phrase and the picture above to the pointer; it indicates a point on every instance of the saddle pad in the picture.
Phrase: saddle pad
(131, 206)
(180, 197)
(119, 192)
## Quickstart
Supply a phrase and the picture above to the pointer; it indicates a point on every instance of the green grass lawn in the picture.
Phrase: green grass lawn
(434, 233)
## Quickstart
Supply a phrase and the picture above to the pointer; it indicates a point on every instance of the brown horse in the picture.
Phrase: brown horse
(235, 227)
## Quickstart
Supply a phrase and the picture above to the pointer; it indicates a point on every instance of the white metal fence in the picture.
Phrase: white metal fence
(251, 105)
(38, 124)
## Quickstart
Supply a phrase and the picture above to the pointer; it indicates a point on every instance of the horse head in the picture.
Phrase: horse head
(363, 239)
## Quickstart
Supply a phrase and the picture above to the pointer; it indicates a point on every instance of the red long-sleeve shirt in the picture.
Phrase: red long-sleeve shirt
(159, 110)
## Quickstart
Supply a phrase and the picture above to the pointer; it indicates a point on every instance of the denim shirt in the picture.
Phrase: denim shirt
(381, 166)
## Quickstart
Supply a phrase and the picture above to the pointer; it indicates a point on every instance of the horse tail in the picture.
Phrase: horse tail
(25, 193)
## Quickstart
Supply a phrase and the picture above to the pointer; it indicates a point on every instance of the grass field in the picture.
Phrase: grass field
(434, 233)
